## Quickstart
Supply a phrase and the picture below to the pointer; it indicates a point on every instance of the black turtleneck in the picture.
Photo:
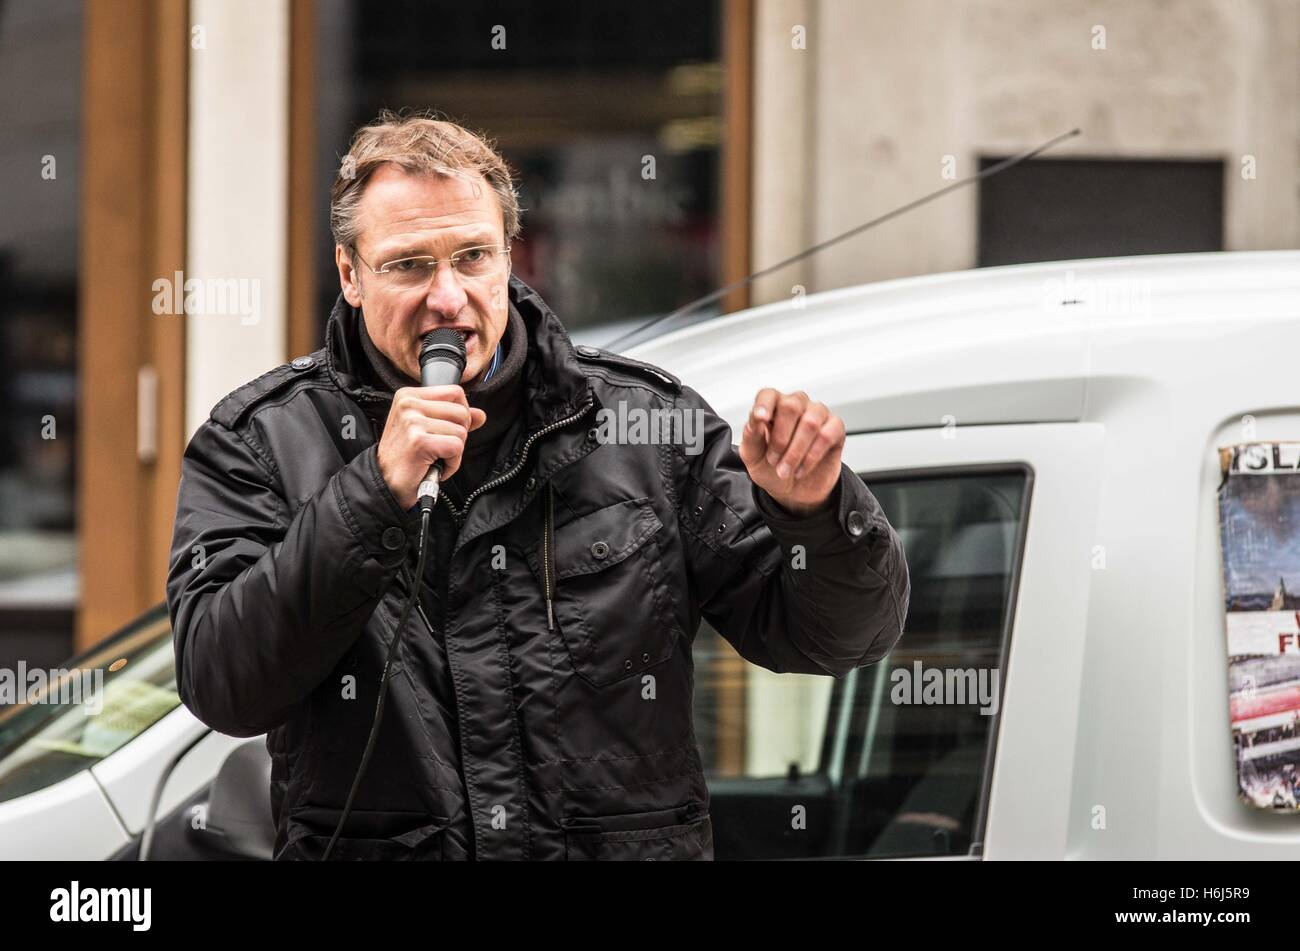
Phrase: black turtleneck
(501, 398)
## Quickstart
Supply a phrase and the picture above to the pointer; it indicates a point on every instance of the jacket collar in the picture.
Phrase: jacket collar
(554, 382)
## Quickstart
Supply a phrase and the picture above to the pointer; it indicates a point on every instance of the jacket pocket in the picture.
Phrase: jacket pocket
(665, 835)
(368, 836)
(611, 604)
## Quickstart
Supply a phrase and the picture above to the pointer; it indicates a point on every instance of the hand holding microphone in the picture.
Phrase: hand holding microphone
(425, 432)
(424, 436)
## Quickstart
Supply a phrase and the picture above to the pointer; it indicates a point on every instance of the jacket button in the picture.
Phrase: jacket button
(303, 363)
(588, 351)
(599, 550)
(699, 510)
(627, 665)
(856, 523)
(394, 538)
(528, 486)
(645, 658)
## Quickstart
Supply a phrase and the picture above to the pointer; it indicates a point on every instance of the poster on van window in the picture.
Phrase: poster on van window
(1259, 533)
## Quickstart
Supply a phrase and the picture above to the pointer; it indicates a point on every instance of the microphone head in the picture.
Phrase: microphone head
(443, 344)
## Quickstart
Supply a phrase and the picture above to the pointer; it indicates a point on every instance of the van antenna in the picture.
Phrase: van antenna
(901, 210)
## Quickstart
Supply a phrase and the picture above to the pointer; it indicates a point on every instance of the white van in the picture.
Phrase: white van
(1044, 438)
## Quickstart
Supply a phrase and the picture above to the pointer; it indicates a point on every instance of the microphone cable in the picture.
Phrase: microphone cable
(442, 361)
(412, 599)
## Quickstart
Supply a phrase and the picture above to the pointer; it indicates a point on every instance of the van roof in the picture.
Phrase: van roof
(1009, 344)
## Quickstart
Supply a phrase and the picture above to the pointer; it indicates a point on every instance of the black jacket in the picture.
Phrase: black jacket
(510, 731)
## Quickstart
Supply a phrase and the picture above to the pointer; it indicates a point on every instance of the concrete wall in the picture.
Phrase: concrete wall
(238, 200)
(860, 120)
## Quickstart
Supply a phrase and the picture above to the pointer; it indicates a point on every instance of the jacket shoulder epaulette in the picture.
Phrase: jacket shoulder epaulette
(638, 368)
(235, 405)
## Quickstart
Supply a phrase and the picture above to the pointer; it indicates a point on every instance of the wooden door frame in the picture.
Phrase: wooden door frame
(737, 199)
(303, 324)
(738, 140)
(133, 212)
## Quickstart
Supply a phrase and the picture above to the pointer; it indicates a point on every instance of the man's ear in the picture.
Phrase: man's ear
(347, 276)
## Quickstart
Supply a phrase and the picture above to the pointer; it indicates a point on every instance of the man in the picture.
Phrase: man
(539, 706)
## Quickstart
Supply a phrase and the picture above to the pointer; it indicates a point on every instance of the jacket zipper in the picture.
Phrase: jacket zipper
(459, 515)
(546, 558)
(507, 476)
(546, 527)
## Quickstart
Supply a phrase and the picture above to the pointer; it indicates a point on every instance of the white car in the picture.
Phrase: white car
(1043, 437)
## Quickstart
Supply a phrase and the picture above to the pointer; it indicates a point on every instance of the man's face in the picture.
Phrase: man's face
(403, 215)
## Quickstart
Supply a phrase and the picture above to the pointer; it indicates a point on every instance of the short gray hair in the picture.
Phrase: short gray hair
(420, 144)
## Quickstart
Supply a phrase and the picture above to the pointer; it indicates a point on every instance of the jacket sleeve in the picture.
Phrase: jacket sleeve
(821, 594)
(263, 604)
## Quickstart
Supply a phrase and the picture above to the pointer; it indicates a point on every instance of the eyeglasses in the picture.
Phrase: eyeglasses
(479, 262)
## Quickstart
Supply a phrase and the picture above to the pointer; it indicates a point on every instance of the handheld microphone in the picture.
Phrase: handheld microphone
(442, 361)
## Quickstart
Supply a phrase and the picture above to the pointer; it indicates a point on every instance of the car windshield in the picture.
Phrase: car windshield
(95, 704)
